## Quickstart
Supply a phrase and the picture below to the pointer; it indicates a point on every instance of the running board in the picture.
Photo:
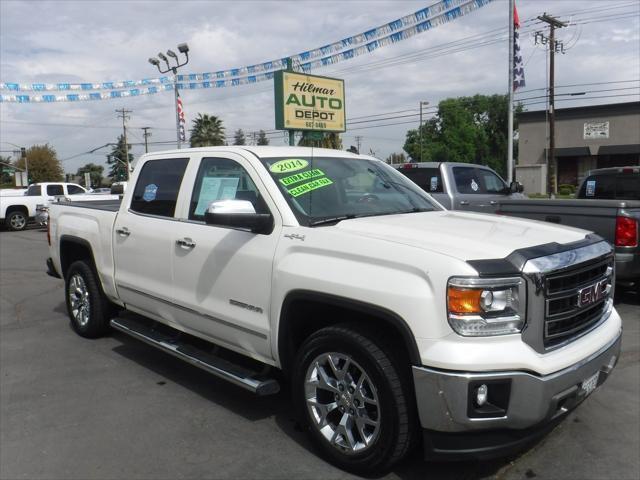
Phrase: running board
(181, 348)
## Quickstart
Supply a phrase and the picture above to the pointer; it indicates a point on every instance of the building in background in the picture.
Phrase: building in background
(587, 137)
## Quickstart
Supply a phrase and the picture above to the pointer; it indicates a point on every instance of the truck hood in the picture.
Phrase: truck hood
(466, 236)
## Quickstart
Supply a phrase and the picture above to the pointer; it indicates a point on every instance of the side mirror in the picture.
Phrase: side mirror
(238, 214)
(516, 187)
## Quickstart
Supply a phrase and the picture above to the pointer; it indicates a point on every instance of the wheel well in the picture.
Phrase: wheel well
(304, 313)
(17, 208)
(73, 249)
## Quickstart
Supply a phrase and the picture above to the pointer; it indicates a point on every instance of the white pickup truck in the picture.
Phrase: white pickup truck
(393, 319)
(18, 208)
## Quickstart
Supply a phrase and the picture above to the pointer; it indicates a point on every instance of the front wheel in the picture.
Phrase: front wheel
(88, 308)
(17, 220)
(349, 393)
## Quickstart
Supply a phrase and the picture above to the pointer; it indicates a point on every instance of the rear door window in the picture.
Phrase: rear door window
(55, 190)
(34, 191)
(628, 187)
(429, 179)
(157, 188)
(599, 186)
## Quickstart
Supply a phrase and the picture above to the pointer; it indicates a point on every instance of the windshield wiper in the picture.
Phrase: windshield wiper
(329, 220)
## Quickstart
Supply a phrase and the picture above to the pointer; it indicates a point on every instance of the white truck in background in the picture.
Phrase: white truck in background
(17, 209)
(391, 318)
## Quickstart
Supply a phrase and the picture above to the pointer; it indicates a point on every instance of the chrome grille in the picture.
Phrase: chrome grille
(566, 317)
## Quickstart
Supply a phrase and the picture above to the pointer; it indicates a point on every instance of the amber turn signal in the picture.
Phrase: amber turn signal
(463, 300)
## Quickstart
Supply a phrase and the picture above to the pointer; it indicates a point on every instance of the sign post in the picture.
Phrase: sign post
(309, 103)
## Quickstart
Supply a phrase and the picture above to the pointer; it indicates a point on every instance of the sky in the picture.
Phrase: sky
(96, 41)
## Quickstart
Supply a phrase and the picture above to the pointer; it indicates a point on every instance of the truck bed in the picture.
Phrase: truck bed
(108, 205)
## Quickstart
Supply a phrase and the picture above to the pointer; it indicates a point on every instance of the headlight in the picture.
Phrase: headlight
(478, 307)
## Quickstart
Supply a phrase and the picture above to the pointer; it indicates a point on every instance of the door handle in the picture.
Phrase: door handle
(464, 202)
(493, 202)
(186, 243)
(123, 232)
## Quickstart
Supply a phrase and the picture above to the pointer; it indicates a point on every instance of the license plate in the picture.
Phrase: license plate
(590, 384)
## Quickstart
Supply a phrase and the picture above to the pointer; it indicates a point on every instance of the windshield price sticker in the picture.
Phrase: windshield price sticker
(591, 188)
(288, 165)
(298, 177)
(309, 186)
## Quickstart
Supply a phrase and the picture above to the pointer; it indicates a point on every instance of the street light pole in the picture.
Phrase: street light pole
(184, 49)
(420, 130)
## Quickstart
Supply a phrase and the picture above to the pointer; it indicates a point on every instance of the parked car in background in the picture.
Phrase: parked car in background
(461, 186)
(607, 203)
(16, 211)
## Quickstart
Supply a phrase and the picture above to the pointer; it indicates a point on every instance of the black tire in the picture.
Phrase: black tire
(16, 220)
(396, 420)
(91, 320)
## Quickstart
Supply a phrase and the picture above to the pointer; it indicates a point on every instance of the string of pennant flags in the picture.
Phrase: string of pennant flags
(393, 32)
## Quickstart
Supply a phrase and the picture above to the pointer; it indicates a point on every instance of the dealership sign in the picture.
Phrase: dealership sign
(309, 102)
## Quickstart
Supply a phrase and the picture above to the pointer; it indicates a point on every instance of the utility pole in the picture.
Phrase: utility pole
(420, 129)
(292, 133)
(510, 101)
(122, 113)
(553, 47)
(358, 142)
(146, 135)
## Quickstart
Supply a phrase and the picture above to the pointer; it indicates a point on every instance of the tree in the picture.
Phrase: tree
(238, 137)
(43, 164)
(329, 140)
(118, 161)
(465, 129)
(262, 138)
(6, 178)
(396, 158)
(94, 171)
(207, 131)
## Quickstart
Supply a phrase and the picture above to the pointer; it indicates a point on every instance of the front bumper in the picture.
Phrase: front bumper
(445, 404)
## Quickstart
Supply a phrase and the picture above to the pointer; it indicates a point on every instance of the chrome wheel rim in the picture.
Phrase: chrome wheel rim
(79, 299)
(18, 221)
(342, 402)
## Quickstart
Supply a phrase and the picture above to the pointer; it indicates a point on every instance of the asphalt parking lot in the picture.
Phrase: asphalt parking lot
(116, 408)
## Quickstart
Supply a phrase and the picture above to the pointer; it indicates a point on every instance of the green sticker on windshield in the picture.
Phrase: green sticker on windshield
(298, 177)
(309, 186)
(288, 165)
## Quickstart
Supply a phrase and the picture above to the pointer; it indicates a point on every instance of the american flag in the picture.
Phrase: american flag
(181, 120)
(518, 66)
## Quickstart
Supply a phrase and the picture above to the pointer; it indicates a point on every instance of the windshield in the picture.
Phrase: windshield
(325, 189)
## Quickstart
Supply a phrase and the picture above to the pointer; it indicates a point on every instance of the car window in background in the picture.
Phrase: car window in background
(429, 179)
(55, 190)
(628, 187)
(156, 192)
(34, 191)
(599, 186)
(467, 180)
(74, 190)
(491, 182)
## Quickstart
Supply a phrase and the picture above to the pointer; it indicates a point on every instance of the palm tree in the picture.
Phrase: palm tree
(207, 130)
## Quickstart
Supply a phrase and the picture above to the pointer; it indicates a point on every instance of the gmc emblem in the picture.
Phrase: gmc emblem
(592, 293)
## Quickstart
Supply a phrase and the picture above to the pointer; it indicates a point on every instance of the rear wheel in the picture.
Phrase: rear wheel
(88, 308)
(17, 220)
(349, 393)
